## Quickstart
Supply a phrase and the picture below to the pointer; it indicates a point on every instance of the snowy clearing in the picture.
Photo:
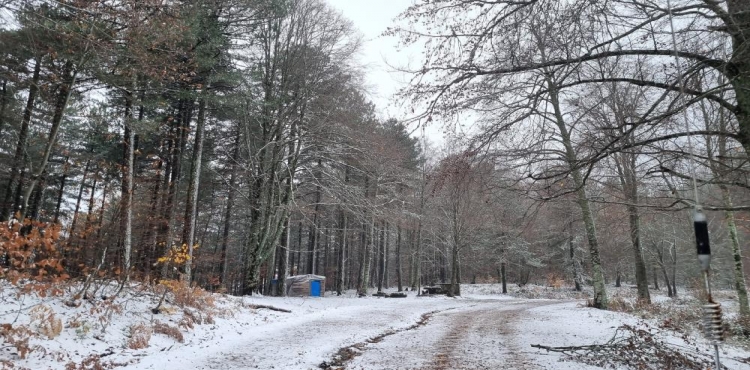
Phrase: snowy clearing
(482, 330)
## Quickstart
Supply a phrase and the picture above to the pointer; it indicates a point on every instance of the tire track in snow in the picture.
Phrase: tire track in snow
(348, 353)
(477, 336)
(299, 342)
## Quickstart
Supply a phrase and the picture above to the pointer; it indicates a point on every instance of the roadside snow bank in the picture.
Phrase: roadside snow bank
(224, 333)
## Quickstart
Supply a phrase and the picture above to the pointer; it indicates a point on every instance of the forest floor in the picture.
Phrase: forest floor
(480, 330)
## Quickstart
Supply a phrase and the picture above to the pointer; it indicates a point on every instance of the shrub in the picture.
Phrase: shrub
(619, 304)
(188, 296)
(30, 252)
(555, 280)
(187, 321)
(139, 336)
(168, 330)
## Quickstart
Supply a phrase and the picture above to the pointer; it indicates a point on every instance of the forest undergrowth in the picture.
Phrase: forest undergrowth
(37, 316)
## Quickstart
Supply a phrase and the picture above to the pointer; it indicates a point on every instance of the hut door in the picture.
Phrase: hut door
(315, 288)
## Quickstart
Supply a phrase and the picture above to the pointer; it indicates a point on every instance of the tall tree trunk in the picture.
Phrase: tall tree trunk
(455, 271)
(3, 104)
(670, 293)
(61, 104)
(100, 227)
(369, 255)
(280, 263)
(417, 283)
(600, 292)
(149, 249)
(284, 263)
(73, 224)
(377, 247)
(312, 241)
(386, 253)
(739, 75)
(673, 253)
(641, 276)
(271, 196)
(399, 283)
(626, 163)
(299, 250)
(36, 201)
(381, 258)
(350, 260)
(503, 277)
(739, 277)
(127, 185)
(656, 278)
(269, 265)
(191, 206)
(89, 224)
(61, 191)
(662, 266)
(574, 265)
(162, 245)
(341, 263)
(618, 278)
(18, 194)
(228, 214)
(444, 263)
(19, 158)
(182, 126)
(327, 252)
(368, 246)
(410, 239)
(364, 260)
(720, 172)
(314, 229)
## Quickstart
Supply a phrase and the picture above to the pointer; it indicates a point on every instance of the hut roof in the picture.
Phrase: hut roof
(303, 278)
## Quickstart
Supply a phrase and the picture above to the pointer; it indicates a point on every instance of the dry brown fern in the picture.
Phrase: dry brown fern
(92, 362)
(44, 320)
(17, 337)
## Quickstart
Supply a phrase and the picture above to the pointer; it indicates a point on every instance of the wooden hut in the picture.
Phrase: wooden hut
(306, 286)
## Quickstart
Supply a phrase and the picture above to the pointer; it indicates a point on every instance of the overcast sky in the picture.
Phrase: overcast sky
(371, 18)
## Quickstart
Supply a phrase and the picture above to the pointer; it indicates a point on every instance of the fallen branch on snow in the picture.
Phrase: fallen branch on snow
(262, 306)
(636, 348)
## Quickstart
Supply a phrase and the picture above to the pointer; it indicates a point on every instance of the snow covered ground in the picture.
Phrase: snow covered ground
(481, 330)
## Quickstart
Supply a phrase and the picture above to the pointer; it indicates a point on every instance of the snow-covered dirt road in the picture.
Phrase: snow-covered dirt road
(458, 334)
(302, 341)
(481, 330)
(480, 334)
(415, 333)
